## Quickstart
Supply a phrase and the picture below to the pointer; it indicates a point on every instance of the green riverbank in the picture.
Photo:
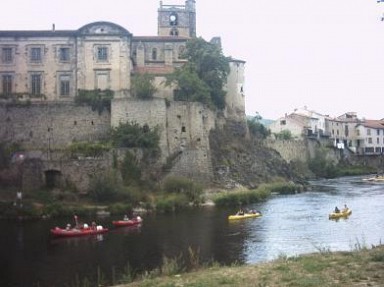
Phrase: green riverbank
(361, 267)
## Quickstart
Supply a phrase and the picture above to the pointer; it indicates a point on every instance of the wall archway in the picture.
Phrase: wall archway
(53, 178)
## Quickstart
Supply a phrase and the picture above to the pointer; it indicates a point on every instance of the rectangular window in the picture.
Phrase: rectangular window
(65, 85)
(378, 140)
(36, 84)
(64, 54)
(7, 84)
(35, 54)
(378, 132)
(102, 54)
(369, 140)
(369, 150)
(102, 80)
(7, 55)
(368, 132)
(346, 130)
(154, 54)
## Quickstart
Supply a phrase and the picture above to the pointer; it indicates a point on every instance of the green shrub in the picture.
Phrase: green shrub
(243, 197)
(87, 149)
(133, 135)
(185, 186)
(284, 188)
(346, 170)
(104, 187)
(98, 100)
(130, 172)
(120, 208)
(57, 209)
(322, 167)
(284, 135)
(142, 86)
(256, 128)
(171, 202)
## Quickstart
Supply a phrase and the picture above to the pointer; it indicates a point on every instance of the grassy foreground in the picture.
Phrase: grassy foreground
(363, 267)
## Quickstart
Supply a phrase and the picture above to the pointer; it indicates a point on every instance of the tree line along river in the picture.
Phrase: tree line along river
(290, 225)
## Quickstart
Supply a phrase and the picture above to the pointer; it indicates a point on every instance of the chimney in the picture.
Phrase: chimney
(53, 27)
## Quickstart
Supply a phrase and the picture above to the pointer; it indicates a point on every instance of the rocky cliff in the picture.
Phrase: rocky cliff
(240, 160)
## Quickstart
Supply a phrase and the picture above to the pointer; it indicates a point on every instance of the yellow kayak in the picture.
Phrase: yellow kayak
(245, 215)
(343, 213)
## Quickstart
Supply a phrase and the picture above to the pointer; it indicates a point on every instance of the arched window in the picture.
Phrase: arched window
(154, 54)
(174, 32)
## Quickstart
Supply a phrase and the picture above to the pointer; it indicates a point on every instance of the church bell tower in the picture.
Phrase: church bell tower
(177, 20)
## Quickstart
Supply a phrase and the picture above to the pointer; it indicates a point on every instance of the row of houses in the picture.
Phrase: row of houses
(359, 136)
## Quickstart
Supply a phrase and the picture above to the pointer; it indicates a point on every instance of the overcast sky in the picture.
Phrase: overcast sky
(327, 55)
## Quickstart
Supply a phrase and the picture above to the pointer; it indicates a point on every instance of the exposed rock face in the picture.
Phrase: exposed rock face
(241, 161)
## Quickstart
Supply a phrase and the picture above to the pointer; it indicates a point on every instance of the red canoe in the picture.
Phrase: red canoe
(129, 222)
(62, 232)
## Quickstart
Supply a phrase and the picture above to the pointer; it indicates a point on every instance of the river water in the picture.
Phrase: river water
(290, 225)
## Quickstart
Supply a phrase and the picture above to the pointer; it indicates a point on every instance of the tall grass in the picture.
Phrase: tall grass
(243, 197)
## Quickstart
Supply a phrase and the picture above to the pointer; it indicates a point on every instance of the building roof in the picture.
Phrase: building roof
(38, 33)
(302, 120)
(112, 29)
(373, 124)
(160, 38)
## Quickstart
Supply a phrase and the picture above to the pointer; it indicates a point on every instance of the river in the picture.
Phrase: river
(290, 225)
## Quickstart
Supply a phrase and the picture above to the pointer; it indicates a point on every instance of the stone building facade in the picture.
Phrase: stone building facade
(48, 68)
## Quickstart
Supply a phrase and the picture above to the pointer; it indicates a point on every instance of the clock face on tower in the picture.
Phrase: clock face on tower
(173, 19)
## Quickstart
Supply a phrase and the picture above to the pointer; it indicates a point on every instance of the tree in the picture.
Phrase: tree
(133, 135)
(256, 128)
(203, 77)
(142, 86)
(190, 87)
(284, 135)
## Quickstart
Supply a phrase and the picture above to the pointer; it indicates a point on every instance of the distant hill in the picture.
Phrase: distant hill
(265, 122)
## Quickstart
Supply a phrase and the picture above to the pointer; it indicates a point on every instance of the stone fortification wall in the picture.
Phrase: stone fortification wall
(303, 150)
(77, 174)
(182, 125)
(193, 164)
(152, 113)
(188, 126)
(51, 125)
(184, 132)
(290, 149)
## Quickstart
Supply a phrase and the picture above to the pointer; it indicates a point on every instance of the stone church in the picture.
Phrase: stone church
(47, 69)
